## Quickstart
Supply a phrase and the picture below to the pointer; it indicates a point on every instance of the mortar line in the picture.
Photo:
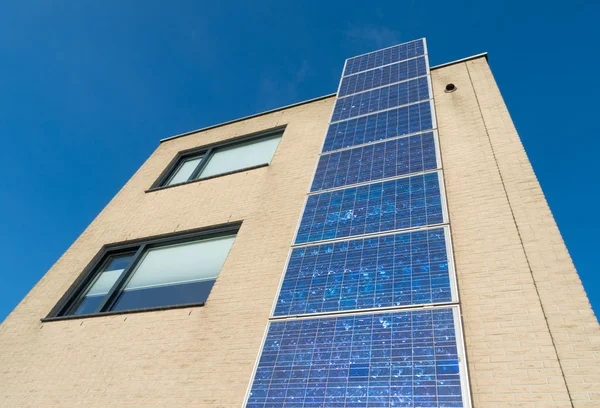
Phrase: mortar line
(520, 238)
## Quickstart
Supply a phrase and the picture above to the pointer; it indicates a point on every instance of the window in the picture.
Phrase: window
(157, 273)
(224, 158)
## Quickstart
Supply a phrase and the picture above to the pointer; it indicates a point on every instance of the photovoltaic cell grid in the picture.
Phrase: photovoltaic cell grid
(397, 359)
(403, 203)
(379, 99)
(378, 126)
(392, 270)
(373, 162)
(405, 358)
(383, 57)
(383, 76)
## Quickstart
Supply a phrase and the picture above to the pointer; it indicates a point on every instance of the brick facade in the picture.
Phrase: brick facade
(532, 339)
(195, 357)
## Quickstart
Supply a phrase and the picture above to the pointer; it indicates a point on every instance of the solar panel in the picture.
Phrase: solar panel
(384, 206)
(367, 310)
(380, 99)
(376, 161)
(386, 75)
(384, 57)
(391, 270)
(378, 126)
(391, 359)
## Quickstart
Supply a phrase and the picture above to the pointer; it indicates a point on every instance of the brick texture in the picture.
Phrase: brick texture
(532, 339)
(194, 357)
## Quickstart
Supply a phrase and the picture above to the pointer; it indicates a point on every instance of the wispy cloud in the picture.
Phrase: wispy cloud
(373, 37)
(275, 91)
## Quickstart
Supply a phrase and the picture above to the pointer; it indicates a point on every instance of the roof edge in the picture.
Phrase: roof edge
(458, 61)
(483, 54)
(293, 105)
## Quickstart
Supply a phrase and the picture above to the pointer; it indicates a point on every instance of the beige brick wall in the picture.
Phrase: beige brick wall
(193, 357)
(532, 338)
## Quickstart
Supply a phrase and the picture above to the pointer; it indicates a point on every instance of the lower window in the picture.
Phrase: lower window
(172, 271)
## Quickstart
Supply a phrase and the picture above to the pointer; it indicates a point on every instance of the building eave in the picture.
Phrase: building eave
(248, 117)
(482, 55)
(472, 57)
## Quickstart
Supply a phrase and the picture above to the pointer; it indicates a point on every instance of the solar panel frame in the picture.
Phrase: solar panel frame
(390, 167)
(419, 117)
(388, 75)
(449, 260)
(381, 99)
(458, 344)
(363, 59)
(369, 225)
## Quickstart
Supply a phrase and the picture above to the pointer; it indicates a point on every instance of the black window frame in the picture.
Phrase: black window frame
(206, 152)
(138, 247)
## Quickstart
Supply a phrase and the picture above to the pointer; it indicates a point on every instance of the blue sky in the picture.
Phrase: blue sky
(87, 89)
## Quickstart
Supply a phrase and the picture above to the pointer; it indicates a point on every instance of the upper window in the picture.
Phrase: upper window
(174, 271)
(224, 158)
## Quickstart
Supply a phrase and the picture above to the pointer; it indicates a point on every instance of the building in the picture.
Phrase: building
(403, 255)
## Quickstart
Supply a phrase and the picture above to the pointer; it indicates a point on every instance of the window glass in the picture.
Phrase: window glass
(100, 286)
(241, 155)
(184, 171)
(175, 274)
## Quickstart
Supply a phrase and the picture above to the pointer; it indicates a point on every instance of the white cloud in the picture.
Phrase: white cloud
(373, 37)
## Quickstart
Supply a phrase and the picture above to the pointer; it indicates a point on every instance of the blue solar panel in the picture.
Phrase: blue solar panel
(396, 359)
(358, 356)
(379, 99)
(403, 203)
(383, 76)
(376, 161)
(391, 270)
(383, 125)
(386, 56)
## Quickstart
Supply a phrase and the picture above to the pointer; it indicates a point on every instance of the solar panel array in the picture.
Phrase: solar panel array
(392, 158)
(384, 57)
(380, 99)
(392, 359)
(403, 269)
(378, 126)
(382, 206)
(389, 74)
(348, 328)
